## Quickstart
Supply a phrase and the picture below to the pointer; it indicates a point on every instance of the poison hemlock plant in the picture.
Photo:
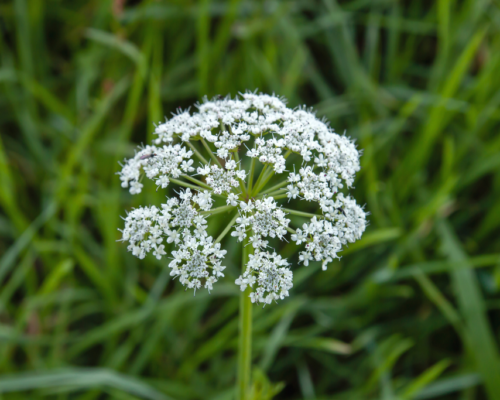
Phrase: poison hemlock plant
(250, 154)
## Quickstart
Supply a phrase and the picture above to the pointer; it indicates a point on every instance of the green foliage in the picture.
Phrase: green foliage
(410, 312)
(261, 388)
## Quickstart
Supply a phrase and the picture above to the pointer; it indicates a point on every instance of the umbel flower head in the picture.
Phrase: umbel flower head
(253, 155)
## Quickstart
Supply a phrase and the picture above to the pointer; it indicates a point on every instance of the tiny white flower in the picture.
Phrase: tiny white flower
(241, 174)
(231, 164)
(305, 257)
(239, 233)
(232, 199)
(242, 283)
(203, 170)
(163, 181)
(293, 192)
(186, 166)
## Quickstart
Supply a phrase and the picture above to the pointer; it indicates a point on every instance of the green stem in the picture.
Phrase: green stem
(185, 184)
(226, 229)
(275, 187)
(198, 182)
(234, 156)
(281, 191)
(217, 210)
(198, 188)
(266, 179)
(195, 151)
(280, 196)
(259, 179)
(207, 147)
(245, 335)
(250, 177)
(301, 213)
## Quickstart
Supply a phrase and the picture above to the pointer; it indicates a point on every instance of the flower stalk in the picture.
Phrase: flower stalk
(270, 132)
(264, 181)
(226, 229)
(275, 187)
(245, 332)
(250, 177)
(259, 179)
(185, 184)
(210, 152)
(198, 154)
(198, 182)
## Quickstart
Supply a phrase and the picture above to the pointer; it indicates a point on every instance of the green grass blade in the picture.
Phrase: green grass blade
(482, 345)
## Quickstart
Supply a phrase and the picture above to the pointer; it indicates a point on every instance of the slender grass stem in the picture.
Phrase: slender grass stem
(198, 154)
(212, 155)
(226, 229)
(280, 196)
(245, 336)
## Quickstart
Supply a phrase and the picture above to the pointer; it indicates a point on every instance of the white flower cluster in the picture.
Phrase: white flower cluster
(263, 128)
(269, 273)
(311, 186)
(144, 229)
(269, 152)
(197, 260)
(164, 162)
(195, 257)
(264, 218)
(222, 180)
(324, 237)
(226, 141)
(298, 131)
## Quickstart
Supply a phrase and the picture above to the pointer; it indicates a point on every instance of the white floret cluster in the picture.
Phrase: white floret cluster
(197, 260)
(324, 237)
(144, 229)
(269, 152)
(270, 276)
(312, 186)
(157, 162)
(228, 141)
(264, 218)
(222, 179)
(262, 128)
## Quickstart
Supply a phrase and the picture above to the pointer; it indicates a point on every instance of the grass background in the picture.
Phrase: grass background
(410, 312)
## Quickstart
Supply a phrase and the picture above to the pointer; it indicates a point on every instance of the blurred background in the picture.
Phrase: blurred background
(410, 312)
